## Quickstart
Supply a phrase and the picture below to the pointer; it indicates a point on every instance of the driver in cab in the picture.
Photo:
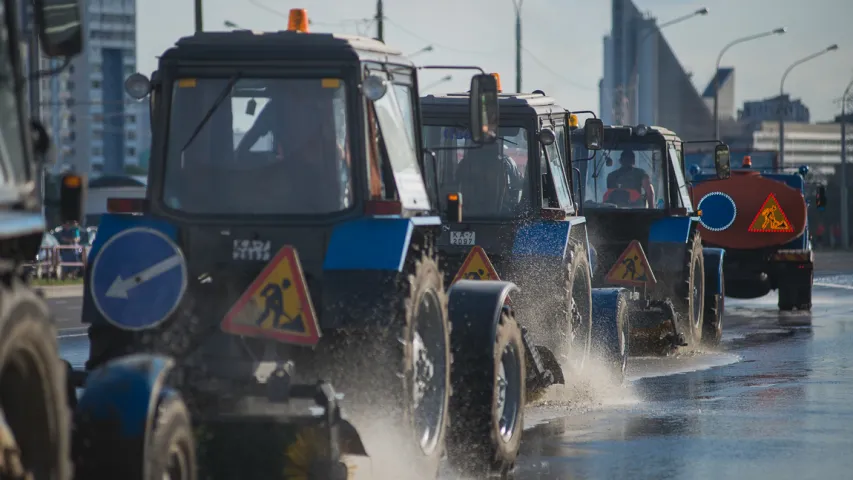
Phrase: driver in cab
(629, 177)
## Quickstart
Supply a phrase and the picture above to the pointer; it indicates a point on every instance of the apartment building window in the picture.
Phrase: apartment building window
(131, 135)
(96, 151)
(131, 152)
(98, 134)
(96, 84)
(131, 119)
(99, 118)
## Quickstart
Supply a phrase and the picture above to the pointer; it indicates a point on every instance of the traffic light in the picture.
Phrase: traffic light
(72, 196)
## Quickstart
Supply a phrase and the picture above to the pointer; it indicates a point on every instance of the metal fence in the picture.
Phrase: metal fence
(59, 262)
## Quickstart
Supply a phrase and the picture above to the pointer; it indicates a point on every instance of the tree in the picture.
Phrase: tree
(135, 170)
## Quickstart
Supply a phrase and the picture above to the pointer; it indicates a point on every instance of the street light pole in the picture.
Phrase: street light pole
(778, 31)
(845, 215)
(783, 104)
(426, 49)
(432, 85)
(198, 27)
(517, 4)
(635, 76)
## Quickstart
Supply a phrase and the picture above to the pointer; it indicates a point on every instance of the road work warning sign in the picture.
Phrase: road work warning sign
(276, 305)
(477, 266)
(632, 269)
(771, 218)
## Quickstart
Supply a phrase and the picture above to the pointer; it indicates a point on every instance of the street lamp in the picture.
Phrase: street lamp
(635, 77)
(426, 49)
(230, 24)
(778, 31)
(443, 79)
(783, 104)
(845, 219)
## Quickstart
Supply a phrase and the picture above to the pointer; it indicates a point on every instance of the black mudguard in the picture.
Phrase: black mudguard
(115, 414)
(474, 309)
(605, 325)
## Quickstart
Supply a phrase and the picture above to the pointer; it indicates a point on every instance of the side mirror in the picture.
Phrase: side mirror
(138, 86)
(454, 208)
(723, 161)
(484, 109)
(72, 196)
(820, 197)
(593, 133)
(59, 26)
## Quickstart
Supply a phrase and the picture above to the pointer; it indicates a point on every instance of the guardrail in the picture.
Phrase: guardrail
(59, 262)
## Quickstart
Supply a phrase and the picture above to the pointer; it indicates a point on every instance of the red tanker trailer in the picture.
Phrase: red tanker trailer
(760, 219)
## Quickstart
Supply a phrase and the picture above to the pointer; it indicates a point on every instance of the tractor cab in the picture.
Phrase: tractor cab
(272, 139)
(521, 178)
(636, 179)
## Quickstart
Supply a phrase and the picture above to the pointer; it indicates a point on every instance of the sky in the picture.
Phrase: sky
(562, 40)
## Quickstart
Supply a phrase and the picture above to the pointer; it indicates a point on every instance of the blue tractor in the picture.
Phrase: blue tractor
(522, 223)
(286, 224)
(646, 234)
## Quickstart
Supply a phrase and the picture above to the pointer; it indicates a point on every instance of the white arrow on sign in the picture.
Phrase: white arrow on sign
(120, 286)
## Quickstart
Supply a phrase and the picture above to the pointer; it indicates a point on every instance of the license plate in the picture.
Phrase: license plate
(462, 238)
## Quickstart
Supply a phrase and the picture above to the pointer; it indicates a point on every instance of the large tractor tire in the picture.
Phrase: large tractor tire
(488, 410)
(612, 336)
(690, 293)
(576, 337)
(36, 436)
(171, 453)
(712, 324)
(405, 366)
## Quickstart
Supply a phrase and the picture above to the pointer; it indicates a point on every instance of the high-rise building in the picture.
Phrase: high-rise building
(97, 126)
(643, 80)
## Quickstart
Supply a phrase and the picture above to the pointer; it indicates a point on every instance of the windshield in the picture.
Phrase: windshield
(625, 175)
(273, 146)
(492, 179)
(396, 123)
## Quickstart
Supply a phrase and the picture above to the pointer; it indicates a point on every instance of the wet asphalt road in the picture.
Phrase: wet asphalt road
(774, 402)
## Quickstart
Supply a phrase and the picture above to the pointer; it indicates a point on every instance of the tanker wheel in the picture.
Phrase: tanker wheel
(690, 294)
(570, 339)
(408, 364)
(484, 441)
(795, 291)
(171, 453)
(36, 434)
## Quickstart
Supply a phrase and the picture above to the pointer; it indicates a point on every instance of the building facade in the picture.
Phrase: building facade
(92, 120)
(769, 109)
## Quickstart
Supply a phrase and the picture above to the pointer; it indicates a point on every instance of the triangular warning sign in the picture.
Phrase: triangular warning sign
(771, 218)
(276, 305)
(632, 269)
(477, 266)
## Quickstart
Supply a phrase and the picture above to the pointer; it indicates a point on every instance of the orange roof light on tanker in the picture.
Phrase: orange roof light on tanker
(498, 81)
(297, 20)
(747, 162)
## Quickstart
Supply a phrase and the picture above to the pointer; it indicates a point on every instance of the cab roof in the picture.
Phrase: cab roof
(284, 45)
(651, 129)
(509, 102)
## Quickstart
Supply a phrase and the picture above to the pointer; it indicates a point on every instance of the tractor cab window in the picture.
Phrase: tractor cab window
(272, 146)
(493, 179)
(555, 187)
(626, 175)
(12, 151)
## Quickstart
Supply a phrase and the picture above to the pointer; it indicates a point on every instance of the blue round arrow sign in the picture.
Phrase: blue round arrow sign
(138, 278)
